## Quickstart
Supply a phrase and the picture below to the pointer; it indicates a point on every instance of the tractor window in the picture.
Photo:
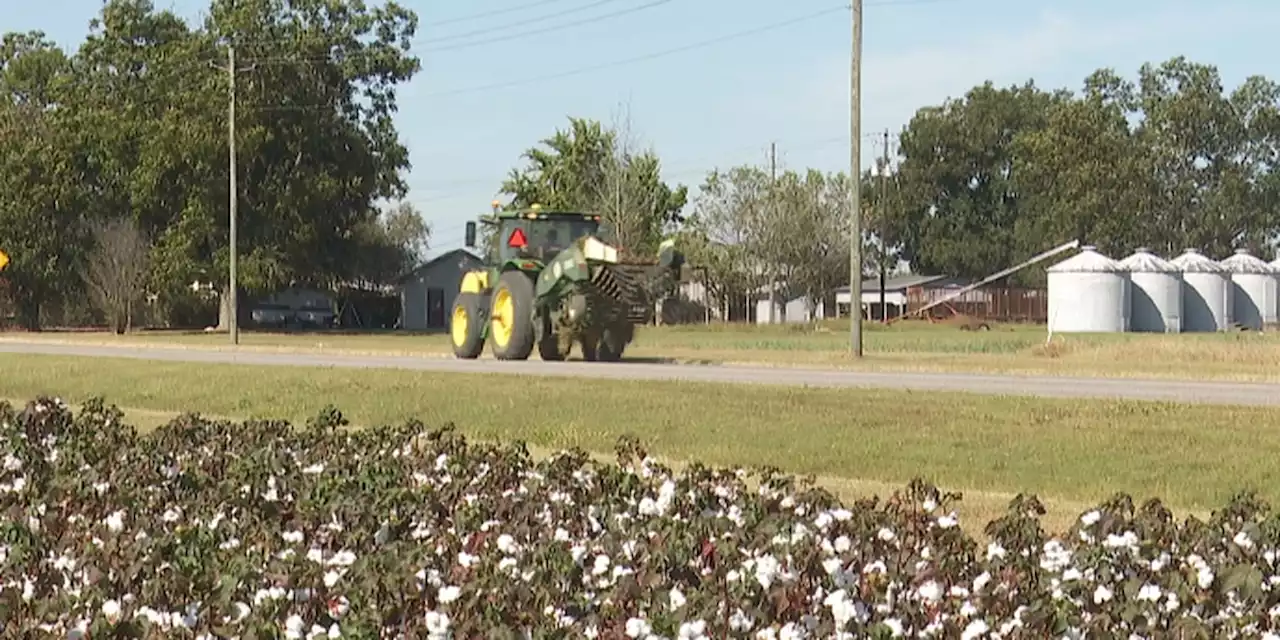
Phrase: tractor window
(543, 238)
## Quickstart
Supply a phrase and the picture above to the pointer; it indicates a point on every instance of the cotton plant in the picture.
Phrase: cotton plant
(210, 529)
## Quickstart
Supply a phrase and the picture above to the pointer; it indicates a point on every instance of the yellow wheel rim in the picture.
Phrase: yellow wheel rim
(459, 326)
(503, 317)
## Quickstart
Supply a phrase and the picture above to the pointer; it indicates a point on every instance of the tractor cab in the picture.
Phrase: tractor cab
(534, 234)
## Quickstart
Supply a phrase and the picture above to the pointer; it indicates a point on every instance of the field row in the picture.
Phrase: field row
(1072, 452)
(908, 346)
(260, 530)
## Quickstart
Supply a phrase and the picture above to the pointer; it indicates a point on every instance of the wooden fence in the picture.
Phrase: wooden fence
(1001, 304)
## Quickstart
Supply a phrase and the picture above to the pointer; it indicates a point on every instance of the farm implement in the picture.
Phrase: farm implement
(551, 280)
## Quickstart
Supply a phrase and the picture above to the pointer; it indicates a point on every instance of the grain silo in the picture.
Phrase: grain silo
(1155, 293)
(1206, 293)
(1088, 292)
(1254, 287)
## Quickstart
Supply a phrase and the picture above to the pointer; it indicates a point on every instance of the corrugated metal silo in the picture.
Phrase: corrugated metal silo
(1088, 293)
(1255, 288)
(1206, 293)
(1155, 294)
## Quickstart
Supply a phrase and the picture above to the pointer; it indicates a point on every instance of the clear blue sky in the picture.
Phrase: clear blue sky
(722, 105)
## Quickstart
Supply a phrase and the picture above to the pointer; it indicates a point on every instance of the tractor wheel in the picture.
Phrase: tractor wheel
(466, 326)
(608, 347)
(511, 317)
(549, 342)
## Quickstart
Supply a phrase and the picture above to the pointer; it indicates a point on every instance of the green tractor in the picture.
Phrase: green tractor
(553, 280)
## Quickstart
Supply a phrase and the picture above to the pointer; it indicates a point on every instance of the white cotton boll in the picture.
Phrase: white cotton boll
(693, 630)
(930, 591)
(975, 629)
(1102, 594)
(676, 599)
(1091, 518)
(1242, 540)
(115, 521)
(601, 565)
(507, 544)
(448, 594)
(111, 611)
(637, 628)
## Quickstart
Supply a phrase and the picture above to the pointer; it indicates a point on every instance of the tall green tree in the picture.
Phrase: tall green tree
(1212, 155)
(590, 167)
(315, 91)
(960, 212)
(1087, 174)
(41, 198)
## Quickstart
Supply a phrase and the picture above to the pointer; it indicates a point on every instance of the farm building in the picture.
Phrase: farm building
(427, 293)
(907, 293)
(795, 309)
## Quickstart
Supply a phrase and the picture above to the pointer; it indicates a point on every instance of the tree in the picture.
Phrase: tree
(808, 233)
(726, 233)
(960, 212)
(40, 175)
(316, 91)
(1212, 156)
(116, 270)
(391, 244)
(592, 168)
(1087, 174)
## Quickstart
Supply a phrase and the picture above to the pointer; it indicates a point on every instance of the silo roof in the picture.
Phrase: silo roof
(1087, 261)
(1143, 261)
(1244, 262)
(1192, 261)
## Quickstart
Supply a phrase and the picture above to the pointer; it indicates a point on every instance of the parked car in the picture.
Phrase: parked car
(271, 315)
(317, 317)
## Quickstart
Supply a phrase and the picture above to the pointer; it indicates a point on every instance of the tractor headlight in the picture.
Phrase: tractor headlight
(593, 249)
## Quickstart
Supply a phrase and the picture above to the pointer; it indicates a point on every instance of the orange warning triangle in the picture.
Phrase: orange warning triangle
(517, 239)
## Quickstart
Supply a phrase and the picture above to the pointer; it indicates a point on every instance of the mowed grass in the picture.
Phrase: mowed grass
(905, 346)
(1072, 453)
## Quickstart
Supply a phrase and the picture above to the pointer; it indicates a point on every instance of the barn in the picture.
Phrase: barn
(427, 292)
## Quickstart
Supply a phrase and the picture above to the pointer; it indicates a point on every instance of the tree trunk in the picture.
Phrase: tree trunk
(224, 312)
(29, 314)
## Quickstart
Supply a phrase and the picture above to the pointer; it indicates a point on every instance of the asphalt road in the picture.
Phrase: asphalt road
(1252, 394)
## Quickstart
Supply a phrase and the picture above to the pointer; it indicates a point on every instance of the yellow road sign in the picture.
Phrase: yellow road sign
(4, 260)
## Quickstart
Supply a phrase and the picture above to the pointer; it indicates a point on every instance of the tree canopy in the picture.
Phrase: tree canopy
(590, 167)
(134, 124)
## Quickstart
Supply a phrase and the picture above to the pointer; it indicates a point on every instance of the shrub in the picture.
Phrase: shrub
(256, 530)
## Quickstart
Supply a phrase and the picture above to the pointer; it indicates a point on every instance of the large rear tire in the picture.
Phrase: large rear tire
(511, 333)
(467, 326)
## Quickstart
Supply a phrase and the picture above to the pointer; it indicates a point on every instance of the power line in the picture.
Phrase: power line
(556, 27)
(641, 58)
(496, 12)
(521, 23)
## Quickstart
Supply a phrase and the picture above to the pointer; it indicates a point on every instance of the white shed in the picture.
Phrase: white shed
(1088, 292)
(1206, 293)
(1155, 297)
(1254, 285)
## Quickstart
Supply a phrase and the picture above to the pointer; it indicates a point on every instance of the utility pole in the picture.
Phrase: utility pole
(884, 211)
(234, 195)
(773, 206)
(855, 176)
